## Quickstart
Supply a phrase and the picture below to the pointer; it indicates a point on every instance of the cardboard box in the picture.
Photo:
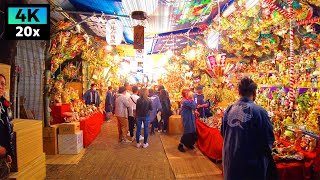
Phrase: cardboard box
(50, 145)
(69, 128)
(51, 131)
(70, 143)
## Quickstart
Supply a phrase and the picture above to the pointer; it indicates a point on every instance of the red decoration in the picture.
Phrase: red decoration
(6, 104)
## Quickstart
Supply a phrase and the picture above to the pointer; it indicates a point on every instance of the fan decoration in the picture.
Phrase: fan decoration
(71, 71)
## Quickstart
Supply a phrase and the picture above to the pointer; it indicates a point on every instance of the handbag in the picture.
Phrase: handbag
(159, 116)
(4, 168)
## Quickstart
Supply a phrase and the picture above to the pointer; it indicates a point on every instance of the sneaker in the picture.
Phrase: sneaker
(128, 134)
(164, 131)
(180, 148)
(145, 145)
(126, 141)
(159, 131)
(141, 138)
(139, 145)
(132, 138)
(191, 147)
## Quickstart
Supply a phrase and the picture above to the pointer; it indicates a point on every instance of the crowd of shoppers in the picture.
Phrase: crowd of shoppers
(138, 109)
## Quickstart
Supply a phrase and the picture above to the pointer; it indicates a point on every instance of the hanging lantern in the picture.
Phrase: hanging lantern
(138, 42)
(114, 32)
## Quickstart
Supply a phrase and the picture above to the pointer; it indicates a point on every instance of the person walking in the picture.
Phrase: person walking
(92, 97)
(188, 138)
(108, 103)
(166, 109)
(6, 150)
(121, 112)
(128, 95)
(144, 106)
(156, 107)
(248, 138)
(114, 97)
(133, 113)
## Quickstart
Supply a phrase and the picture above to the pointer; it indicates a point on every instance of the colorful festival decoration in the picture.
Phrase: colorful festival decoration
(192, 11)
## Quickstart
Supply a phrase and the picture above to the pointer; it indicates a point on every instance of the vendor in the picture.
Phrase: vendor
(199, 99)
(92, 97)
(248, 138)
(6, 151)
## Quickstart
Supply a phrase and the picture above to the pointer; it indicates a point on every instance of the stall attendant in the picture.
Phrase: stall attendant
(248, 138)
(92, 97)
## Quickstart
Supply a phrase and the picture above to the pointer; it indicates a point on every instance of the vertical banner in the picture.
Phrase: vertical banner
(211, 63)
(138, 41)
(223, 59)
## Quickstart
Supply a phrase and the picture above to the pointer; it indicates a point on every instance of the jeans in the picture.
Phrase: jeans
(122, 128)
(145, 121)
(108, 116)
(132, 122)
(154, 124)
(165, 123)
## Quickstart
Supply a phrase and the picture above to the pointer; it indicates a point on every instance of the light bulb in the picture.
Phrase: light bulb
(169, 53)
(117, 58)
(109, 48)
(192, 53)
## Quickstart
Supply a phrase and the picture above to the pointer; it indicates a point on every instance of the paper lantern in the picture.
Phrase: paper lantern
(114, 32)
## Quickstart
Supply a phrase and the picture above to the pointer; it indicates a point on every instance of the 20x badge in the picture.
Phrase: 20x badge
(28, 22)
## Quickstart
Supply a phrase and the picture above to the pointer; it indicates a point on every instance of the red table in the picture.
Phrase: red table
(91, 127)
(210, 142)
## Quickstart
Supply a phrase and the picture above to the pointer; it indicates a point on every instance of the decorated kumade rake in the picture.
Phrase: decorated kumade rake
(218, 69)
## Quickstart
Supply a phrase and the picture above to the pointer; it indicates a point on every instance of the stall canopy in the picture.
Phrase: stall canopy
(166, 18)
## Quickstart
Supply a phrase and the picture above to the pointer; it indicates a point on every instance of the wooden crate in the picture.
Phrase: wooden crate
(70, 143)
(69, 128)
(36, 169)
(50, 140)
(5, 70)
(29, 143)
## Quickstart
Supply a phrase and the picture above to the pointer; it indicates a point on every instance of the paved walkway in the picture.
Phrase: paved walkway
(105, 158)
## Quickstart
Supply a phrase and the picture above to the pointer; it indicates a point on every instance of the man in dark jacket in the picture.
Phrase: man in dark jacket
(108, 103)
(248, 137)
(92, 97)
